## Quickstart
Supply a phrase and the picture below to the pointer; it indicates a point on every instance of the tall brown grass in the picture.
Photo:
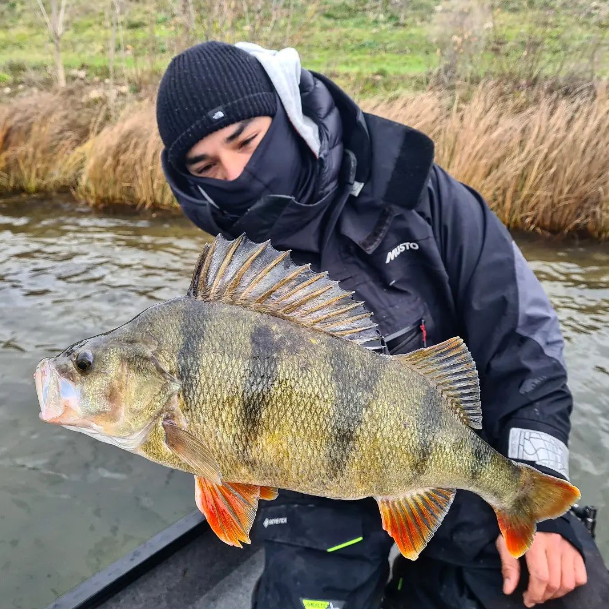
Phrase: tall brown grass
(122, 163)
(541, 161)
(40, 137)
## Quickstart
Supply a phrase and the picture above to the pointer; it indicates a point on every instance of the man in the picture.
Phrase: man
(254, 144)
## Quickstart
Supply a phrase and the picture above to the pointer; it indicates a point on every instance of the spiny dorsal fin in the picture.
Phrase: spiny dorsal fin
(257, 276)
(451, 367)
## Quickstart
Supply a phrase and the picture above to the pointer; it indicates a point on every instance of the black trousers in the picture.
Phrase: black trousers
(324, 554)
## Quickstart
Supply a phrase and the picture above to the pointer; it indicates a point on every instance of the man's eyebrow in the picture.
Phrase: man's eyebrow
(193, 160)
(240, 129)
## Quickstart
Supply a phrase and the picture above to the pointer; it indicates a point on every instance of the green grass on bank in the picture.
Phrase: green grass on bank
(370, 46)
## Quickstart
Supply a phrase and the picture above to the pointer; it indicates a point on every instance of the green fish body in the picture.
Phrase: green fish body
(260, 378)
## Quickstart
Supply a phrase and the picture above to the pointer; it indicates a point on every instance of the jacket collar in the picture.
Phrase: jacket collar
(355, 130)
(401, 159)
(393, 163)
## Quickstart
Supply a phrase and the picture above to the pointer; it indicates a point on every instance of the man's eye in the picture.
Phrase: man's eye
(248, 141)
(203, 170)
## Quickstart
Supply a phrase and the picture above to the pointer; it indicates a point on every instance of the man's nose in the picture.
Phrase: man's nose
(233, 165)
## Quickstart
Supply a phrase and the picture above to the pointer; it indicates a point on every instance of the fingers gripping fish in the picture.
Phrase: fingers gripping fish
(265, 376)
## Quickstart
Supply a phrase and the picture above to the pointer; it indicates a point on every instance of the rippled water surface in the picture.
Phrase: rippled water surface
(69, 505)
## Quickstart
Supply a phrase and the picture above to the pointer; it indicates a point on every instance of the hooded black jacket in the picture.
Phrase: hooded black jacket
(432, 261)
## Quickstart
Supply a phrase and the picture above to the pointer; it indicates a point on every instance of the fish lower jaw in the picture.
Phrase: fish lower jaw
(130, 443)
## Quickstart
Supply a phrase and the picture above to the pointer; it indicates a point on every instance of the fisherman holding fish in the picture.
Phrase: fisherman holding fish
(270, 374)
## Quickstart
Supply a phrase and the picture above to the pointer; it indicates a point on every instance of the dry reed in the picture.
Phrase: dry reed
(122, 163)
(40, 138)
(540, 162)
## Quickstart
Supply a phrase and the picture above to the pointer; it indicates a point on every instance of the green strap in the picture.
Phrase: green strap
(344, 545)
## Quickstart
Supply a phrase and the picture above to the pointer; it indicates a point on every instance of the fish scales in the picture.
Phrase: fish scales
(288, 368)
(265, 376)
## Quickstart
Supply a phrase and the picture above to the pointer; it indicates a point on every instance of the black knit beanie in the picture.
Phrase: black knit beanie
(206, 88)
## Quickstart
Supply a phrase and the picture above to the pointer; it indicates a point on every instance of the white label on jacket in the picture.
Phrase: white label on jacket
(540, 447)
(271, 521)
(398, 249)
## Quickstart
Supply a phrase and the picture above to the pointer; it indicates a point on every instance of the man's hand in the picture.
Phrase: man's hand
(555, 568)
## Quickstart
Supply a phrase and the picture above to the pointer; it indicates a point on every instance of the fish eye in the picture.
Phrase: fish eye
(84, 361)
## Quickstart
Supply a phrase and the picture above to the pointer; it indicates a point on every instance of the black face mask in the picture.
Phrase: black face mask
(282, 164)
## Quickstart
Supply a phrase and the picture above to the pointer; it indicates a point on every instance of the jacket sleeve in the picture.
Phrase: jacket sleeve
(511, 330)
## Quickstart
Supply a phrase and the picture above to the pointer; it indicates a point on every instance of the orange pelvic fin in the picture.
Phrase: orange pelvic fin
(268, 493)
(230, 508)
(542, 497)
(413, 519)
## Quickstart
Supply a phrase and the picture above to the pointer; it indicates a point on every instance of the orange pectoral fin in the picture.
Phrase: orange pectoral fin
(413, 519)
(230, 508)
(192, 451)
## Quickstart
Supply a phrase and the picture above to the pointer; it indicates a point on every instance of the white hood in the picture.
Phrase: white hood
(283, 68)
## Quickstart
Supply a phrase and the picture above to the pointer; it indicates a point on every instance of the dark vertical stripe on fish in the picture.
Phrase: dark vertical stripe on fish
(480, 459)
(347, 413)
(192, 334)
(259, 381)
(424, 432)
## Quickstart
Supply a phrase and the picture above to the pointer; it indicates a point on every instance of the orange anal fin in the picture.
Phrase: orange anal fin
(413, 519)
(268, 493)
(230, 508)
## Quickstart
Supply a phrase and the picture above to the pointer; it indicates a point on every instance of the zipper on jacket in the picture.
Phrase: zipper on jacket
(408, 335)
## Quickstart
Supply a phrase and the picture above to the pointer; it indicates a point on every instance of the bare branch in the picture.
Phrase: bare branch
(43, 12)
(62, 14)
(55, 24)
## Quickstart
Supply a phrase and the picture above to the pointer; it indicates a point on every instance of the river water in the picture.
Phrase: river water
(69, 505)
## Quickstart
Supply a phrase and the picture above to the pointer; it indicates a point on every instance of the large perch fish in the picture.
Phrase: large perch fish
(260, 378)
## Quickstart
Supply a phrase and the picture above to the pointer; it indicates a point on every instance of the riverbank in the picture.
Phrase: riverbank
(540, 159)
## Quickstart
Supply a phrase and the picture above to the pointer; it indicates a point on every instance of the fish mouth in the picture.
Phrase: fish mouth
(58, 397)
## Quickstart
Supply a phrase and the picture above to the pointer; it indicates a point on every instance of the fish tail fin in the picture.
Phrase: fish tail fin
(541, 497)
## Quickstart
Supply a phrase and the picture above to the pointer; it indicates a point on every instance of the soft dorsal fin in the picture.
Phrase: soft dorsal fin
(257, 276)
(452, 368)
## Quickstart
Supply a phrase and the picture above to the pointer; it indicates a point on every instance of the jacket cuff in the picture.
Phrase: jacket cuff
(536, 444)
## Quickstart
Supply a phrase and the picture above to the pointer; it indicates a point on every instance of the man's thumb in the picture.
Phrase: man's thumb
(510, 567)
